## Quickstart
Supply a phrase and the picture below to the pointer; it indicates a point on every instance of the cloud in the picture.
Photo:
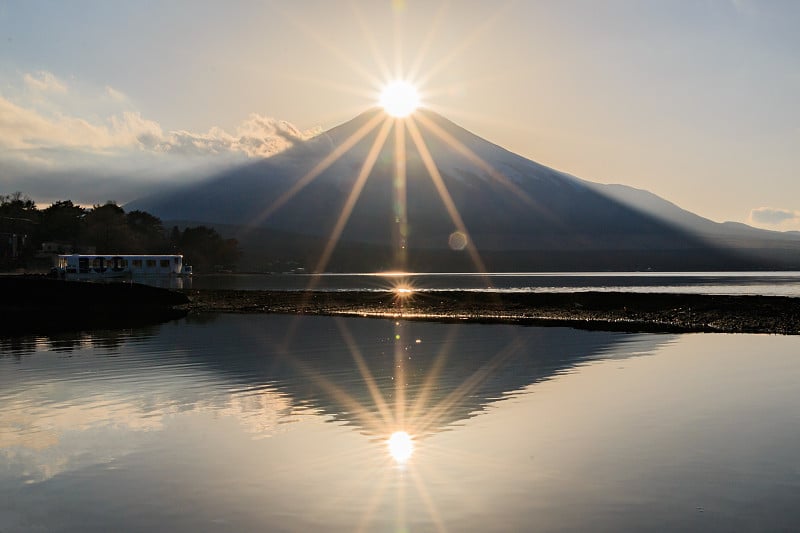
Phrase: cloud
(116, 95)
(31, 125)
(258, 136)
(775, 216)
(44, 81)
(89, 141)
(27, 130)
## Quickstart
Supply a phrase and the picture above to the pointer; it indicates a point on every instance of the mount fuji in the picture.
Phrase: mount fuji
(518, 215)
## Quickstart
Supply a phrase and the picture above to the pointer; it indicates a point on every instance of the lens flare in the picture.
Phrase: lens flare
(457, 241)
(401, 446)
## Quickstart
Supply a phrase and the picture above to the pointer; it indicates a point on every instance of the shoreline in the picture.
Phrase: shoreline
(611, 311)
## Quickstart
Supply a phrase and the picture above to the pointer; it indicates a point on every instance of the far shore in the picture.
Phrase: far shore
(617, 311)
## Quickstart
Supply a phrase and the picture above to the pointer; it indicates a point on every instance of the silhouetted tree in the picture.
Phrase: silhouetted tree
(18, 220)
(23, 228)
(205, 249)
(107, 229)
(147, 231)
(17, 201)
(63, 221)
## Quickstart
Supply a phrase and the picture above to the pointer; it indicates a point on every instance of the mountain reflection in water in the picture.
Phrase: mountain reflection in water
(378, 375)
(319, 423)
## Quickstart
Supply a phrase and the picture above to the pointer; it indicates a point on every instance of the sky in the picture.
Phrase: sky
(696, 101)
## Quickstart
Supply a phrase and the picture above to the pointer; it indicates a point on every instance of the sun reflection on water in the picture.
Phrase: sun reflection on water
(401, 446)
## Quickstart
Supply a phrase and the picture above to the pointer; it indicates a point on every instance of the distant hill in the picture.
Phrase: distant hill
(519, 215)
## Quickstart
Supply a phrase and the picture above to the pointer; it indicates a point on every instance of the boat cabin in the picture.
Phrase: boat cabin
(110, 266)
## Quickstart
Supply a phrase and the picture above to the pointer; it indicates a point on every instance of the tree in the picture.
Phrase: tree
(63, 221)
(107, 229)
(17, 201)
(147, 231)
(18, 220)
(204, 248)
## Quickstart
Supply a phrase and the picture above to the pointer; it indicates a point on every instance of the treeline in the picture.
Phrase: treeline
(107, 229)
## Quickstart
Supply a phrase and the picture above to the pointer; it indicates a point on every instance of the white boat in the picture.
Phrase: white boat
(99, 266)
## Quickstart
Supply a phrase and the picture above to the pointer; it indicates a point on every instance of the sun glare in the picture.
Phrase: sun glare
(399, 99)
(401, 446)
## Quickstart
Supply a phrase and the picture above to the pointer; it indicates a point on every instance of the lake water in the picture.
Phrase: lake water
(764, 283)
(282, 423)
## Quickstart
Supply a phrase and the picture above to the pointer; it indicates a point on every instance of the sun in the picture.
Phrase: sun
(399, 98)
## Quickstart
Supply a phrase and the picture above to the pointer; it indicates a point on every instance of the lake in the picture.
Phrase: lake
(761, 283)
(290, 423)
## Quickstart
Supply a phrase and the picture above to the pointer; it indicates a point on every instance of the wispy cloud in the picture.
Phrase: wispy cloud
(116, 95)
(32, 124)
(775, 217)
(24, 129)
(258, 136)
(44, 81)
(48, 128)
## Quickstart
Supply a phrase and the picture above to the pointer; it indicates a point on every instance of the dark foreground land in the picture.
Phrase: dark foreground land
(619, 311)
(37, 304)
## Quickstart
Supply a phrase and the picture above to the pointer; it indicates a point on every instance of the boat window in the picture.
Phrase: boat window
(165, 263)
(136, 263)
(151, 263)
(99, 264)
(118, 264)
(83, 265)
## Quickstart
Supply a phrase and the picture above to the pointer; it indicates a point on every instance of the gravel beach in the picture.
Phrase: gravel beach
(618, 311)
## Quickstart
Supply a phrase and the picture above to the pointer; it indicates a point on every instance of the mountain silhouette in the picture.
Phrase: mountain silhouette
(517, 214)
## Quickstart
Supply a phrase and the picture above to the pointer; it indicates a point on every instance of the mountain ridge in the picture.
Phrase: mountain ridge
(510, 206)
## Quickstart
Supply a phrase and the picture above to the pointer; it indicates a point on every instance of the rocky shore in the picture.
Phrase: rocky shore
(618, 311)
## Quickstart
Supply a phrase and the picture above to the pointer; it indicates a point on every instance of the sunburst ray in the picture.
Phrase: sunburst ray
(319, 168)
(373, 503)
(355, 192)
(444, 194)
(425, 496)
(364, 417)
(472, 157)
(340, 55)
(413, 71)
(464, 46)
(429, 383)
(400, 196)
(366, 375)
(399, 378)
(371, 42)
(468, 386)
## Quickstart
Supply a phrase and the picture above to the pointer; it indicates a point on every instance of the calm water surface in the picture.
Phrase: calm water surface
(763, 283)
(281, 423)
